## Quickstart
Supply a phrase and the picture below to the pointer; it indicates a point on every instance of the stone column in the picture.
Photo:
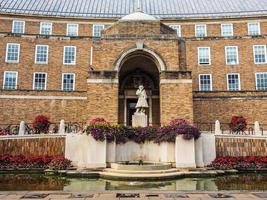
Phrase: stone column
(139, 120)
(218, 130)
(185, 153)
(62, 127)
(176, 98)
(257, 128)
(22, 128)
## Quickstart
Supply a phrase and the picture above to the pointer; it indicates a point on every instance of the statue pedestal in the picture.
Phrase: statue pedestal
(139, 120)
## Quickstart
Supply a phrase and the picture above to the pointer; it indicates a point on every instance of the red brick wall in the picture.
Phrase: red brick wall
(49, 146)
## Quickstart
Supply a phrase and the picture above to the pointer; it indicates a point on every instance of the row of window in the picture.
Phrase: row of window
(231, 55)
(69, 57)
(39, 81)
(227, 29)
(233, 81)
(68, 81)
(41, 54)
(46, 28)
(72, 29)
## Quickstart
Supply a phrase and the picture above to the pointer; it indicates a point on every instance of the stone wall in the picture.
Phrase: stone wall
(33, 146)
(222, 106)
(103, 101)
(241, 146)
(176, 101)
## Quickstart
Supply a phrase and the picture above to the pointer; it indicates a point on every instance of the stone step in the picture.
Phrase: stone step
(141, 172)
(156, 176)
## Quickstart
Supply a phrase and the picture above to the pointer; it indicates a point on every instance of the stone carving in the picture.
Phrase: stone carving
(142, 100)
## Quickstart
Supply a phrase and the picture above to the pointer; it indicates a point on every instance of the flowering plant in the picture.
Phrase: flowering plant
(100, 130)
(247, 162)
(30, 162)
(238, 123)
(59, 163)
(178, 122)
(41, 124)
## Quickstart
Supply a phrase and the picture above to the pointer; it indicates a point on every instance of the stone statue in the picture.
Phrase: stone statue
(142, 102)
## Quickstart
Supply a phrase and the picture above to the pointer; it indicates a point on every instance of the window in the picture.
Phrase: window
(72, 29)
(233, 82)
(205, 82)
(254, 28)
(259, 54)
(261, 81)
(41, 54)
(177, 28)
(12, 53)
(227, 30)
(69, 55)
(46, 28)
(97, 28)
(39, 81)
(18, 27)
(231, 55)
(204, 56)
(10, 80)
(68, 82)
(201, 30)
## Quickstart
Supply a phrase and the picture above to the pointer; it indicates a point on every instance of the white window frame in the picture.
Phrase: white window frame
(51, 30)
(23, 27)
(237, 55)
(239, 82)
(33, 81)
(205, 30)
(37, 62)
(77, 29)
(4, 80)
(199, 82)
(232, 29)
(254, 58)
(259, 26)
(256, 82)
(75, 52)
(198, 56)
(74, 82)
(93, 32)
(177, 27)
(11, 61)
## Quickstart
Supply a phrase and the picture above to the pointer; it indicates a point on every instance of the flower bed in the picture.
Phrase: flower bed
(8, 162)
(100, 130)
(248, 162)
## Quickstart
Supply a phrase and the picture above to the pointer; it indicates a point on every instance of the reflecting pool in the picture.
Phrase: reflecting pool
(33, 182)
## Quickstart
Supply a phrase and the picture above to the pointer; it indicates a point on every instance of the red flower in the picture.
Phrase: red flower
(41, 124)
(238, 123)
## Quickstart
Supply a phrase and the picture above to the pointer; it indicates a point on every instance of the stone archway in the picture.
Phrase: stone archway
(135, 68)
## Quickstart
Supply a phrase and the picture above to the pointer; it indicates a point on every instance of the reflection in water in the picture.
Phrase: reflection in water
(41, 182)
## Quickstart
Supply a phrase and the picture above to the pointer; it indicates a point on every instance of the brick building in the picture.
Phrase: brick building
(77, 60)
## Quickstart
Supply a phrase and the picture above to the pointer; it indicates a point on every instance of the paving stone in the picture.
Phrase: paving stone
(260, 194)
(13, 197)
(128, 195)
(35, 196)
(176, 195)
(81, 195)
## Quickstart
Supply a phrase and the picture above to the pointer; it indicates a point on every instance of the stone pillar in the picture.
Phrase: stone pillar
(257, 128)
(22, 128)
(176, 98)
(185, 153)
(102, 93)
(218, 130)
(139, 120)
(62, 127)
(199, 152)
(209, 148)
